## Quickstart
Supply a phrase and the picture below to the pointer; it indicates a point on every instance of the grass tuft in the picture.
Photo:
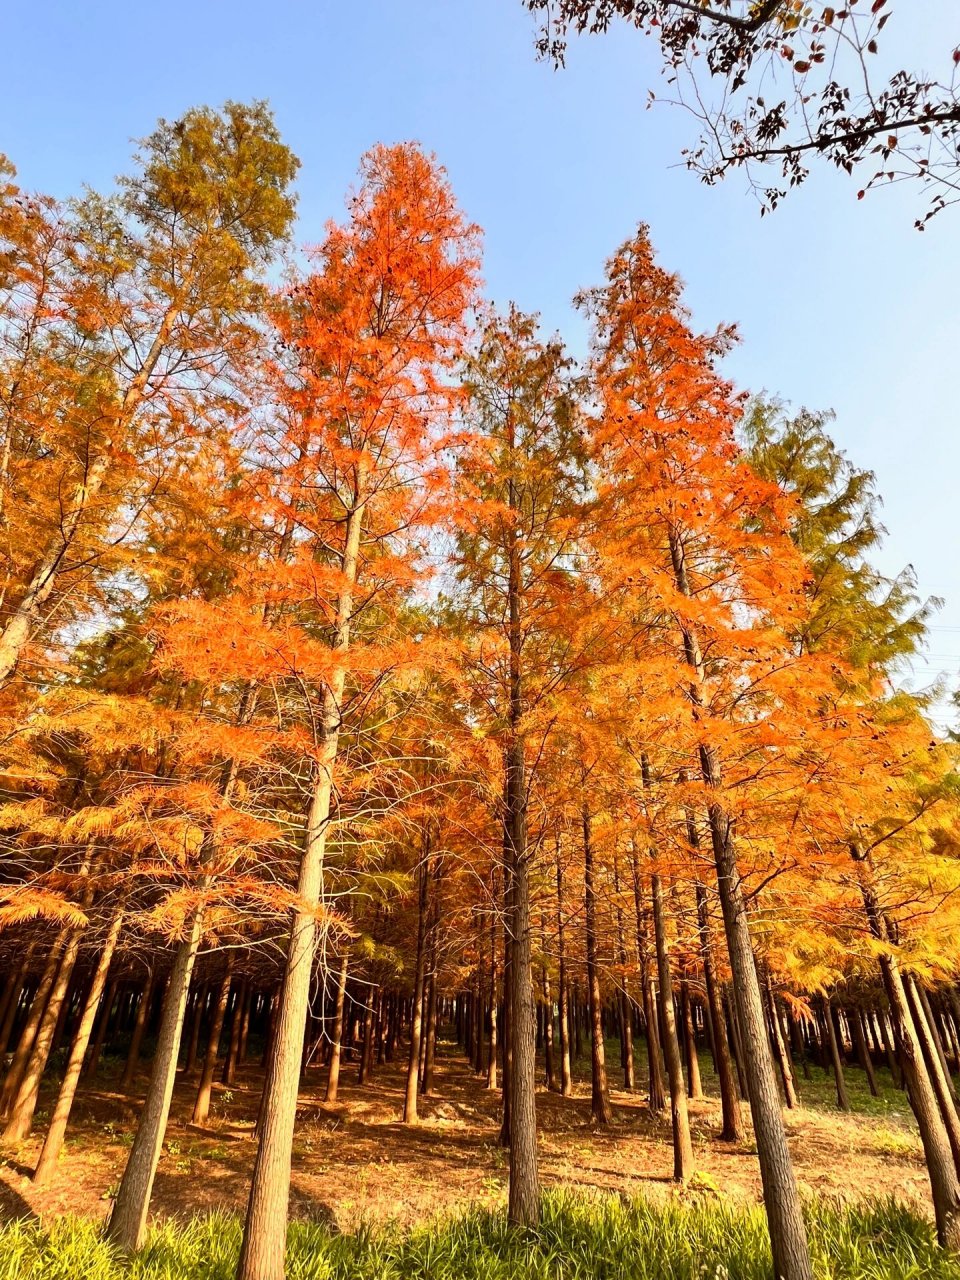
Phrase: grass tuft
(580, 1238)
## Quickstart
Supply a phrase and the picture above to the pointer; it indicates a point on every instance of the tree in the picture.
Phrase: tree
(806, 89)
(515, 559)
(691, 530)
(371, 335)
(120, 323)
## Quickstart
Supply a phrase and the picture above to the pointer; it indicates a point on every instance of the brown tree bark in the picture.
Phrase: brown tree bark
(12, 1005)
(788, 1235)
(691, 1060)
(563, 992)
(732, 1130)
(830, 1031)
(201, 1107)
(493, 995)
(854, 1017)
(139, 1027)
(937, 1146)
(236, 1026)
(103, 1024)
(53, 1142)
(780, 1050)
(128, 1221)
(336, 1046)
(600, 1108)
(28, 1033)
(410, 1113)
(24, 1102)
(682, 1146)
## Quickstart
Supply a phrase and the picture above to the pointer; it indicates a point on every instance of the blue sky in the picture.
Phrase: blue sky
(841, 303)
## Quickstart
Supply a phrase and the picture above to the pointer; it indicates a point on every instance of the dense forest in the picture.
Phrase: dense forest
(384, 687)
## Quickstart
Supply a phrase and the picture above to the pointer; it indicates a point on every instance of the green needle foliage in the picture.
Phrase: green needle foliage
(580, 1238)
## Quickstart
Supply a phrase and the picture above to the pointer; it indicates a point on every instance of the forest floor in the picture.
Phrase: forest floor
(355, 1161)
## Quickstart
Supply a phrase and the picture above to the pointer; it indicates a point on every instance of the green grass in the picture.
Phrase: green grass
(580, 1239)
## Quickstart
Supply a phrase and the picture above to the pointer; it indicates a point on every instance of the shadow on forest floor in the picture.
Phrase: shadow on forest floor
(356, 1161)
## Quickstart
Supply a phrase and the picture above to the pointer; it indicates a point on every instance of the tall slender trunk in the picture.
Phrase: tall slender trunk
(201, 1107)
(494, 993)
(196, 1008)
(682, 1146)
(656, 1096)
(410, 1113)
(12, 1005)
(265, 1227)
(53, 1143)
(128, 1221)
(788, 1235)
(854, 1017)
(691, 1060)
(103, 1024)
(333, 1071)
(563, 991)
(626, 1004)
(830, 1030)
(600, 1108)
(366, 1047)
(237, 1016)
(732, 1130)
(550, 1072)
(24, 1103)
(524, 1190)
(28, 1033)
(781, 1052)
(139, 1027)
(932, 1041)
(941, 1164)
(935, 1073)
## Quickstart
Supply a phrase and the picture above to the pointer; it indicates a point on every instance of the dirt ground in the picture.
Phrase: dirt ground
(356, 1162)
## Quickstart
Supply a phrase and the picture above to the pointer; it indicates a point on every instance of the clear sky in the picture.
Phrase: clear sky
(840, 303)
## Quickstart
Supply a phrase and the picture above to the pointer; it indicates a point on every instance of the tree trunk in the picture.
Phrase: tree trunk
(28, 1034)
(682, 1146)
(626, 1004)
(732, 1130)
(265, 1227)
(780, 1050)
(494, 993)
(201, 1107)
(128, 1221)
(830, 1031)
(935, 1041)
(366, 1046)
(53, 1143)
(600, 1108)
(12, 1006)
(937, 1146)
(196, 1018)
(103, 1023)
(563, 991)
(863, 1053)
(139, 1026)
(24, 1104)
(788, 1235)
(524, 1191)
(549, 1066)
(694, 1083)
(236, 1027)
(333, 1071)
(410, 1113)
(430, 1055)
(935, 1072)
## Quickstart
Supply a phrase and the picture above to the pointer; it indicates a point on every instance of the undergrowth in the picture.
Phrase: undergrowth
(580, 1238)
